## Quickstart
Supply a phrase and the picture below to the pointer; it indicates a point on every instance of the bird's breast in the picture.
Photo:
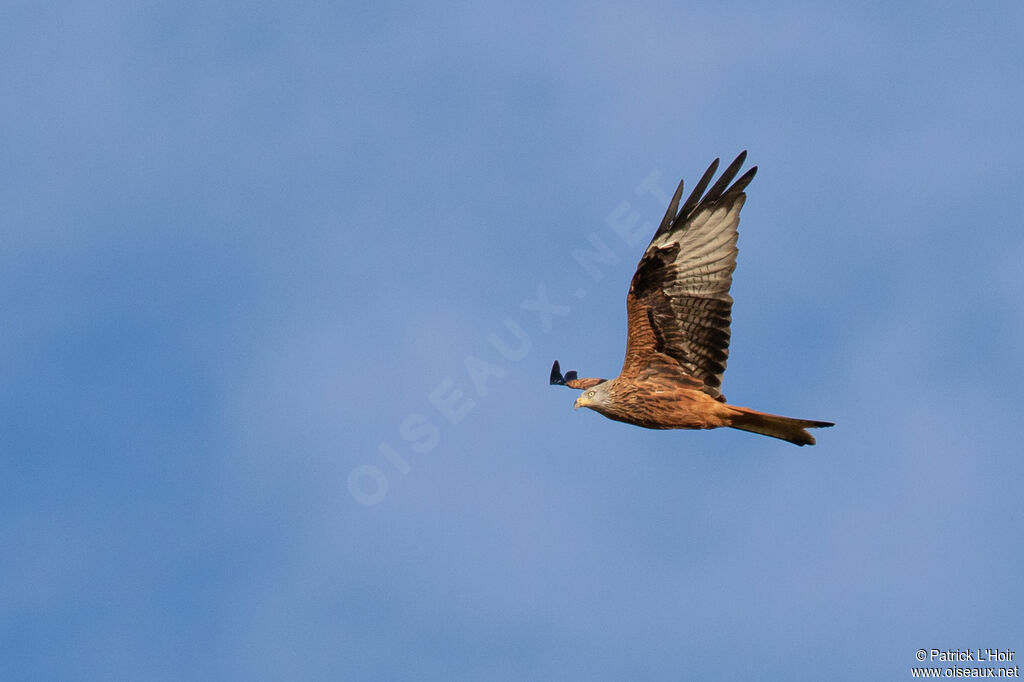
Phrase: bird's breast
(657, 406)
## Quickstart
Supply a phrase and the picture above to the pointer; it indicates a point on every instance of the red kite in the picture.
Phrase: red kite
(679, 311)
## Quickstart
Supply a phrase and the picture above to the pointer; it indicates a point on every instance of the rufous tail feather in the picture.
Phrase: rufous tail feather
(785, 428)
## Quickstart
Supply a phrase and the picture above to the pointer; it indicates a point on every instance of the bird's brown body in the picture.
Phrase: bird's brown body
(678, 316)
(659, 405)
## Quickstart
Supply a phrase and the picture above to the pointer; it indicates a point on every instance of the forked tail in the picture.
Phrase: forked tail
(786, 428)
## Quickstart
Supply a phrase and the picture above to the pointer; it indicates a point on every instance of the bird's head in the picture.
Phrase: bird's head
(594, 397)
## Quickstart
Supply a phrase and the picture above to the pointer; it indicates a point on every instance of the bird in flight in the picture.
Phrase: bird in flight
(678, 316)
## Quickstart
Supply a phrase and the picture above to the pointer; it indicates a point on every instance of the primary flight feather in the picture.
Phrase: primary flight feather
(679, 311)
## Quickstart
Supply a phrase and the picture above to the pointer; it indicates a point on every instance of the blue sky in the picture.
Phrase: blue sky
(250, 249)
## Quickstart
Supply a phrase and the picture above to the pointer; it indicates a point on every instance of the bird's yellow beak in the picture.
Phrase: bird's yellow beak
(580, 402)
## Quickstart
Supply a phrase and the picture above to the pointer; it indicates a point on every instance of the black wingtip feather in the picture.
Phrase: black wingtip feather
(698, 190)
(670, 212)
(557, 379)
(719, 188)
(742, 183)
(556, 375)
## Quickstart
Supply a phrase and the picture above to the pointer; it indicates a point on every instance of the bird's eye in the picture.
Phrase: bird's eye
(591, 394)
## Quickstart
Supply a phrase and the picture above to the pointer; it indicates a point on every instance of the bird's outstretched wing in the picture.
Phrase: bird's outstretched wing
(570, 379)
(679, 307)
